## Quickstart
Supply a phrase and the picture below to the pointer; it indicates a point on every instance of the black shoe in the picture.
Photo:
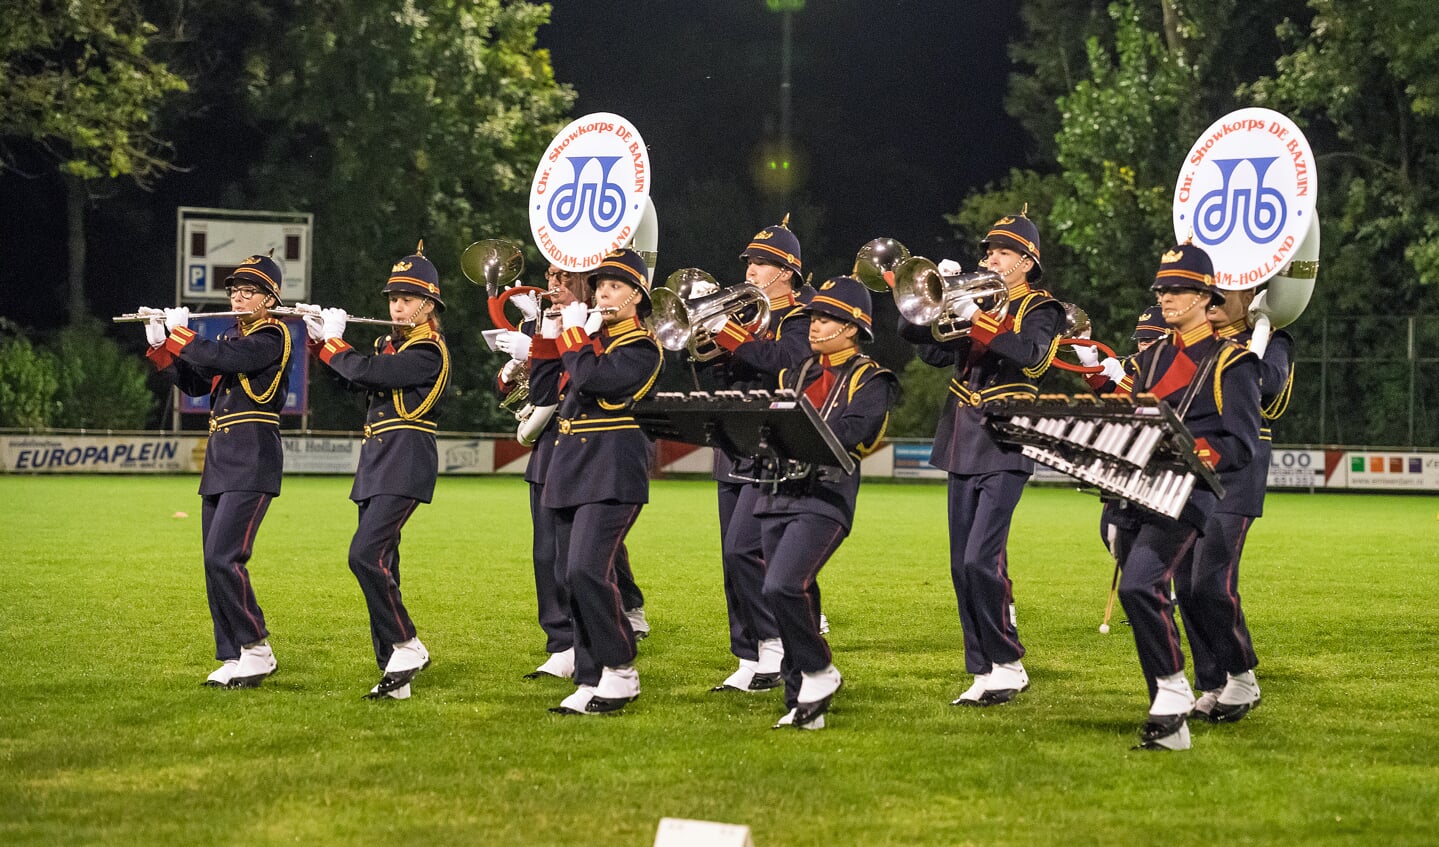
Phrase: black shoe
(1164, 732)
(805, 713)
(765, 682)
(393, 680)
(998, 697)
(603, 705)
(1230, 713)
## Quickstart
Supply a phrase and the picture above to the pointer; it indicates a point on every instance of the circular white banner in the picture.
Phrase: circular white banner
(589, 191)
(1246, 195)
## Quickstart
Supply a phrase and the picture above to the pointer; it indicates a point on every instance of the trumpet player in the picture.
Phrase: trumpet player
(1213, 386)
(773, 264)
(597, 479)
(246, 375)
(552, 600)
(1001, 356)
(804, 521)
(404, 380)
(1207, 583)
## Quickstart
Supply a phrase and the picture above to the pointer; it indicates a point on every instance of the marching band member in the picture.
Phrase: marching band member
(246, 374)
(404, 380)
(1208, 583)
(773, 264)
(999, 358)
(1116, 526)
(804, 521)
(564, 287)
(598, 475)
(1213, 385)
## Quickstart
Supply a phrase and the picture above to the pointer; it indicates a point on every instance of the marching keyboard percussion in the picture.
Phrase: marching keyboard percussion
(1133, 448)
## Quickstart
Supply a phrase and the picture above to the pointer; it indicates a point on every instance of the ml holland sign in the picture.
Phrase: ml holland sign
(590, 191)
(1246, 194)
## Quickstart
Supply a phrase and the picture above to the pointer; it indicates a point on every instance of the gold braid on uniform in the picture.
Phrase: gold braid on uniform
(284, 362)
(630, 335)
(1230, 354)
(868, 365)
(398, 394)
(1274, 410)
(1024, 306)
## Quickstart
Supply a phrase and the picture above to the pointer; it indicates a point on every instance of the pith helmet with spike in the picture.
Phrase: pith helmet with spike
(778, 246)
(1018, 233)
(261, 271)
(415, 274)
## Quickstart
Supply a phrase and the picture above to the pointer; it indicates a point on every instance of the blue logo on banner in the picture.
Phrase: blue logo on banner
(1261, 211)
(602, 202)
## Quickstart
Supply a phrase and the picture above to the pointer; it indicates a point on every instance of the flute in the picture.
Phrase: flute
(137, 318)
(286, 311)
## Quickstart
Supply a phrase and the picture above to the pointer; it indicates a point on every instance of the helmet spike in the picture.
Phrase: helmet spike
(785, 223)
(420, 248)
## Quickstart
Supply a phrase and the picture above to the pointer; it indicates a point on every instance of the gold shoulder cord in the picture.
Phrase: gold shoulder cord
(284, 364)
(621, 341)
(1230, 354)
(1274, 410)
(1038, 370)
(398, 394)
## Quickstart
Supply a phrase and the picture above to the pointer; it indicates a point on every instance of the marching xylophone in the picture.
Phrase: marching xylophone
(1135, 448)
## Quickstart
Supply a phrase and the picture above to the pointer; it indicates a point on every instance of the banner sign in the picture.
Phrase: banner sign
(297, 397)
(101, 453)
(1246, 194)
(911, 461)
(1389, 469)
(312, 454)
(590, 191)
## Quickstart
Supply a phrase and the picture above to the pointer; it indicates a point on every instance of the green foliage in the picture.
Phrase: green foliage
(27, 381)
(84, 86)
(1362, 81)
(1340, 752)
(99, 385)
(395, 123)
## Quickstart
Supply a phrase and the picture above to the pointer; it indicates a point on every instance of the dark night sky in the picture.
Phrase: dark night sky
(898, 103)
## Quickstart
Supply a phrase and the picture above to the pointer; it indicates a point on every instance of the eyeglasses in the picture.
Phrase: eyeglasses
(553, 274)
(244, 292)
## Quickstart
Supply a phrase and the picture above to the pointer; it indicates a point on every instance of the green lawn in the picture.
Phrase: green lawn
(106, 735)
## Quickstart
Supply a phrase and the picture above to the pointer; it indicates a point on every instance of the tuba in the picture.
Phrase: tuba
(680, 321)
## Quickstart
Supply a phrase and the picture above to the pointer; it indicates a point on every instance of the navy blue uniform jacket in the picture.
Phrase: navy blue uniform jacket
(404, 385)
(856, 406)
(246, 374)
(998, 359)
(600, 454)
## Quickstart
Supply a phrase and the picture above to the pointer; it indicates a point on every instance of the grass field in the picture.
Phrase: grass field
(106, 735)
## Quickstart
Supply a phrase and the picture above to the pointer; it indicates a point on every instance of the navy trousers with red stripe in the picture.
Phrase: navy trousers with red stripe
(750, 619)
(1207, 585)
(375, 562)
(1159, 548)
(228, 523)
(981, 507)
(588, 539)
(796, 547)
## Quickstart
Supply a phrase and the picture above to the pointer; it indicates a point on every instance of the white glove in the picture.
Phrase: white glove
(715, 324)
(155, 326)
(1088, 356)
(969, 311)
(574, 315)
(528, 304)
(550, 328)
(594, 322)
(950, 267)
(333, 323)
(314, 324)
(1113, 369)
(1259, 306)
(517, 344)
(703, 288)
(176, 317)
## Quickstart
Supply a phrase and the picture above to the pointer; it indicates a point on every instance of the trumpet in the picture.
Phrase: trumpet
(137, 318)
(290, 312)
(680, 322)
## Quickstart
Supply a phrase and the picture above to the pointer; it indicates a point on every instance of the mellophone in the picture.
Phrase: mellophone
(1134, 448)
(781, 429)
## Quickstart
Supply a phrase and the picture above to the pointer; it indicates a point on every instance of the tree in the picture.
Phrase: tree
(79, 92)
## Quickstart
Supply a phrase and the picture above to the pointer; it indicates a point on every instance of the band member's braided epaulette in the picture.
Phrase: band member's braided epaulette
(1036, 297)
(269, 392)
(1230, 354)
(633, 334)
(424, 335)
